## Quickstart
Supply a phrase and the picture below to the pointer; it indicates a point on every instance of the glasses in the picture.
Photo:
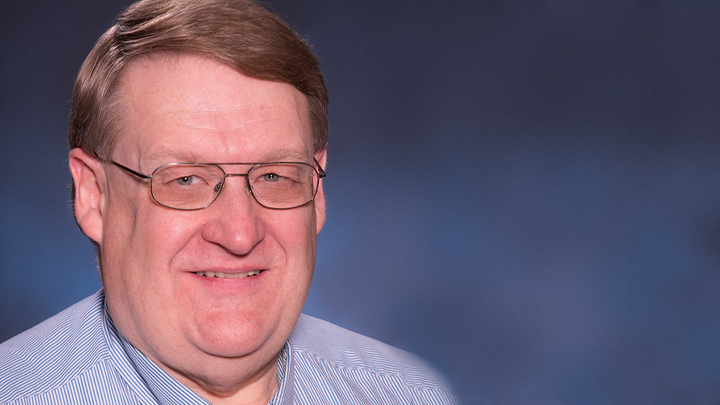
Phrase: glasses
(194, 186)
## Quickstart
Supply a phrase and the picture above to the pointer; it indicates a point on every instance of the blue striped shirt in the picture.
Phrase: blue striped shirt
(79, 357)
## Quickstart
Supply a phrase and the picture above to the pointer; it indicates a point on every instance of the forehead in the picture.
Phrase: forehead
(192, 105)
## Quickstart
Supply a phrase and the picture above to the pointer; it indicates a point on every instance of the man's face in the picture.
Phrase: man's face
(193, 109)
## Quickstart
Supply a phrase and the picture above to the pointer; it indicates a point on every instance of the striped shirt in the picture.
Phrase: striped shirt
(79, 357)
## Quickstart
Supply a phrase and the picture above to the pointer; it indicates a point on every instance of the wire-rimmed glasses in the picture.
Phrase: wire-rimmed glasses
(194, 186)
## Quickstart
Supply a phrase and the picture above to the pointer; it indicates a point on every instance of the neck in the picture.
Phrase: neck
(232, 386)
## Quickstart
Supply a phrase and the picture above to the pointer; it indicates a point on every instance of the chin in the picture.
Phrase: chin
(233, 341)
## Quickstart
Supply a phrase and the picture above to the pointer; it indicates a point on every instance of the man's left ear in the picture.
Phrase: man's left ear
(321, 158)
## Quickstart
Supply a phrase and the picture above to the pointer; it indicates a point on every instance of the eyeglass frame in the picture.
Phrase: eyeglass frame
(317, 168)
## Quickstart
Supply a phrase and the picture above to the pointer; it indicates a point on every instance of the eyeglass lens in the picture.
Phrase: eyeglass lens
(195, 186)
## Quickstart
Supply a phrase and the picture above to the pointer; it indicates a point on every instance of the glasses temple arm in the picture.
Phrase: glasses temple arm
(131, 171)
(321, 172)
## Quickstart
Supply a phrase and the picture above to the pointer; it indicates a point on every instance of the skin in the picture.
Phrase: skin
(220, 337)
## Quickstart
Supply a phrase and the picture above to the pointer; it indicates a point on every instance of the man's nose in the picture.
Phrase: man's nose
(233, 220)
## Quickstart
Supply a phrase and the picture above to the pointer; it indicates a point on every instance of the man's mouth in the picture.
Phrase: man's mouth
(217, 274)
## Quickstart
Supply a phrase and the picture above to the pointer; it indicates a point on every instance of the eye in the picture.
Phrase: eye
(270, 177)
(274, 175)
(186, 180)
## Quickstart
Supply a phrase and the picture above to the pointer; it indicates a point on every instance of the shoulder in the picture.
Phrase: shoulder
(329, 351)
(53, 352)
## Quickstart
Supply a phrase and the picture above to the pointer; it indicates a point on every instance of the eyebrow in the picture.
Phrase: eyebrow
(278, 155)
(288, 155)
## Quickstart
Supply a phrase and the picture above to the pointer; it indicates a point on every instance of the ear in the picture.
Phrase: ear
(321, 157)
(90, 193)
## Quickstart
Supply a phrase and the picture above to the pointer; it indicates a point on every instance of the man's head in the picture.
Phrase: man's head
(212, 294)
(238, 33)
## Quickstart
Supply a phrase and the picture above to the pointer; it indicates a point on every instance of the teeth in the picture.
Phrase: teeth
(217, 274)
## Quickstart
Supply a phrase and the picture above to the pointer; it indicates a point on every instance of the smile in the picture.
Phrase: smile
(217, 274)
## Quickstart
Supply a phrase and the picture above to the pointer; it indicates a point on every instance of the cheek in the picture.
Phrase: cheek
(137, 269)
(295, 231)
(142, 235)
(163, 238)
(298, 240)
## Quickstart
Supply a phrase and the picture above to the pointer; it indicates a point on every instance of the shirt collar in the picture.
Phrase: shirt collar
(285, 392)
(164, 387)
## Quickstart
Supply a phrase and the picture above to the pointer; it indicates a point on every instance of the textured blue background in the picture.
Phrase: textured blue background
(526, 193)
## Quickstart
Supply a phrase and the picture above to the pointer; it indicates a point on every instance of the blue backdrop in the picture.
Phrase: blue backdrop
(526, 193)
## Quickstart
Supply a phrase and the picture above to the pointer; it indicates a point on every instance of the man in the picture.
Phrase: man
(198, 141)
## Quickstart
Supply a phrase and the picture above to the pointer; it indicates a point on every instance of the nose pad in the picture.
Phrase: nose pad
(246, 183)
(220, 186)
